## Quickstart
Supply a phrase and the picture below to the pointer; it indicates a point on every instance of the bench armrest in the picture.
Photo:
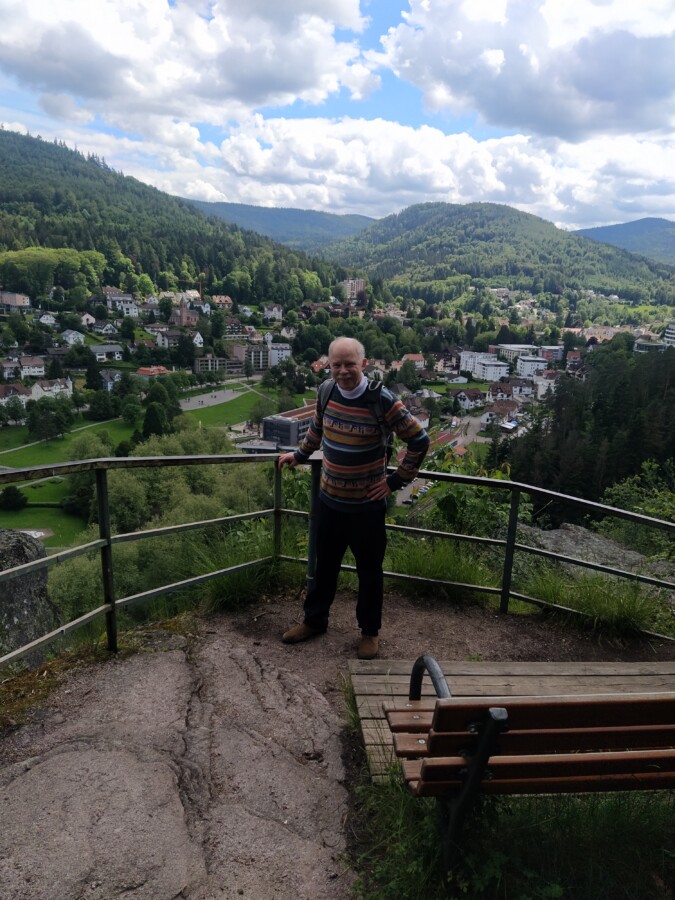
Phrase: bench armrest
(427, 664)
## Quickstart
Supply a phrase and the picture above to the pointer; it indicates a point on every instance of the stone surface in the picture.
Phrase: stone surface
(26, 612)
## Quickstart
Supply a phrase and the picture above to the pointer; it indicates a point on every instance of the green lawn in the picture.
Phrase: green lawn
(51, 490)
(48, 452)
(239, 409)
(12, 436)
(66, 528)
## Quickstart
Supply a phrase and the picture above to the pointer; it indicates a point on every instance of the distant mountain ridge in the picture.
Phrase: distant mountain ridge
(439, 246)
(301, 229)
(651, 237)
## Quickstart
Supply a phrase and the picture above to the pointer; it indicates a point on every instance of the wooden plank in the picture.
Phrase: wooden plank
(559, 712)
(555, 765)
(454, 667)
(364, 687)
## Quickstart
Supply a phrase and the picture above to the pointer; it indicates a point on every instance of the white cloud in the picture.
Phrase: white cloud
(586, 88)
(544, 66)
(201, 62)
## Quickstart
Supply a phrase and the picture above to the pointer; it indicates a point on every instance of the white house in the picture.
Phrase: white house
(52, 388)
(274, 313)
(417, 359)
(105, 328)
(72, 337)
(128, 308)
(488, 368)
(87, 320)
(9, 391)
(197, 339)
(278, 353)
(47, 319)
(107, 352)
(110, 377)
(32, 366)
(528, 366)
(8, 368)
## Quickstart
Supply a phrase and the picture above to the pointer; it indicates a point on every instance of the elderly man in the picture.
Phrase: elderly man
(354, 488)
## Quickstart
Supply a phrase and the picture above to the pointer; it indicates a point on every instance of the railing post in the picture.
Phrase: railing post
(509, 551)
(315, 463)
(277, 514)
(106, 558)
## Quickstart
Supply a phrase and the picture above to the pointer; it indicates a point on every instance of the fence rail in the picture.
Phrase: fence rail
(278, 513)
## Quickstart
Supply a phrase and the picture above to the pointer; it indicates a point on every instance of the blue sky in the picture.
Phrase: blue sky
(562, 109)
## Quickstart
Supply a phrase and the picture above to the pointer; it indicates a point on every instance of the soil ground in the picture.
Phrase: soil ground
(446, 630)
(214, 765)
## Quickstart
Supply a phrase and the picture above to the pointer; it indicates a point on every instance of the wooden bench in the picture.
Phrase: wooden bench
(456, 748)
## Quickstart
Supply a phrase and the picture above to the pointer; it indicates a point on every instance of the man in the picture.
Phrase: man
(354, 488)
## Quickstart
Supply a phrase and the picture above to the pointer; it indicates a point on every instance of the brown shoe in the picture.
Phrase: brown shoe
(368, 647)
(298, 633)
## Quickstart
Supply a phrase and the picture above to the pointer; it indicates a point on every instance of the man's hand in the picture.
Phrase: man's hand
(379, 491)
(287, 459)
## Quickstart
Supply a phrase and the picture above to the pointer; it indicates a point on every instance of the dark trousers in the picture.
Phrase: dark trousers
(364, 533)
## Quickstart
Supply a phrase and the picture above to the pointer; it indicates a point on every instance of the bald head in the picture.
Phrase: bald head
(350, 345)
(347, 359)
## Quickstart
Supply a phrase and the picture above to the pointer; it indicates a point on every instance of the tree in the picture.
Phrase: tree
(408, 376)
(12, 499)
(260, 409)
(165, 308)
(101, 406)
(128, 328)
(155, 421)
(49, 417)
(93, 380)
(248, 368)
(131, 409)
(15, 410)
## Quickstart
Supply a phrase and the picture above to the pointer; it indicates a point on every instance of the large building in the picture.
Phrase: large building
(353, 287)
(287, 429)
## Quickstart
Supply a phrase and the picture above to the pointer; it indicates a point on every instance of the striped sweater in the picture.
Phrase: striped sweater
(354, 456)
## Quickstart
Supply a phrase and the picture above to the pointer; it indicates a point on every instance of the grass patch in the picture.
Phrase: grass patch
(230, 413)
(617, 608)
(46, 453)
(444, 560)
(590, 847)
(49, 490)
(30, 689)
(12, 436)
(66, 528)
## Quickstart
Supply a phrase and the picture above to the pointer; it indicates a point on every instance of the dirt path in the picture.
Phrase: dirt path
(210, 765)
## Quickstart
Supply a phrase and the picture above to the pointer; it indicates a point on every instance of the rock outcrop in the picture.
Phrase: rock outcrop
(26, 612)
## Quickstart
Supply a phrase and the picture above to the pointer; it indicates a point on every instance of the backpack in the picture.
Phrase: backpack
(373, 398)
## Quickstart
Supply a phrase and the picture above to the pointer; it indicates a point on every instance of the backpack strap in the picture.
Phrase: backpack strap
(373, 397)
(323, 395)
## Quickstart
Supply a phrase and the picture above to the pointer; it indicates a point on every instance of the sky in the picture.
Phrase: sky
(560, 108)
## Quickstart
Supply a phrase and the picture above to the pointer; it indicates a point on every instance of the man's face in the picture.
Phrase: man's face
(345, 366)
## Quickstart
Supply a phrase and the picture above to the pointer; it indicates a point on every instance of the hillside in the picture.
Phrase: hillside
(54, 197)
(653, 238)
(439, 246)
(303, 229)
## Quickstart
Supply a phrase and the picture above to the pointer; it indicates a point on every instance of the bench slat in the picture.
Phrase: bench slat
(645, 781)
(556, 765)
(535, 713)
(555, 740)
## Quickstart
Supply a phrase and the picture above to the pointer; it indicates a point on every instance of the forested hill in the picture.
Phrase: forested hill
(437, 246)
(654, 238)
(51, 196)
(304, 229)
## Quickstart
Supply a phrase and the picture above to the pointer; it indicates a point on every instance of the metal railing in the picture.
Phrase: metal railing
(106, 540)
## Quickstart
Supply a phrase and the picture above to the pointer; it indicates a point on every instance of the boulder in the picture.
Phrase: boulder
(26, 613)
(579, 542)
